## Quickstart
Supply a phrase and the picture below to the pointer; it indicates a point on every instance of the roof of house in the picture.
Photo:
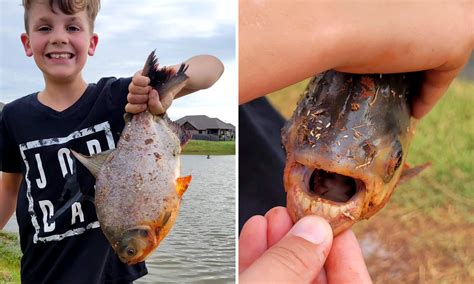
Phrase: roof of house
(202, 122)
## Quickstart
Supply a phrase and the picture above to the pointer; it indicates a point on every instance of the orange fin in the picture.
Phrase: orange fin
(409, 173)
(182, 184)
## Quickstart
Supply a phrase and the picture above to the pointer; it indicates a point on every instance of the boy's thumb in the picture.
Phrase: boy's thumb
(297, 258)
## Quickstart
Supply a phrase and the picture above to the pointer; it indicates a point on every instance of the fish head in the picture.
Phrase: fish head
(135, 244)
(346, 144)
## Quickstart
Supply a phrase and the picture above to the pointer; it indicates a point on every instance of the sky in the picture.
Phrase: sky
(128, 32)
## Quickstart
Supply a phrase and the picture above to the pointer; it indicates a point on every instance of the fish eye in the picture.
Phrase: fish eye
(394, 162)
(131, 251)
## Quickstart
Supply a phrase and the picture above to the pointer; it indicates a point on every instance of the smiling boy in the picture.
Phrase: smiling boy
(38, 130)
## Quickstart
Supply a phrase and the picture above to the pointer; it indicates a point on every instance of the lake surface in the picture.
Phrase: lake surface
(201, 245)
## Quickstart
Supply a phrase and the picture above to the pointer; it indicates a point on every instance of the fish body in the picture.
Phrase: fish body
(346, 145)
(138, 187)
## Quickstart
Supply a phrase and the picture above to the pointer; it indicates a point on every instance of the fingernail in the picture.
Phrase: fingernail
(313, 229)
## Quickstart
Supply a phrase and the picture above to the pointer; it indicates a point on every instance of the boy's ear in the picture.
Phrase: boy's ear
(94, 40)
(25, 40)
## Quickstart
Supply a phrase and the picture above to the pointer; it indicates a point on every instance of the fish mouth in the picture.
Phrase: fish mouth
(333, 188)
(327, 193)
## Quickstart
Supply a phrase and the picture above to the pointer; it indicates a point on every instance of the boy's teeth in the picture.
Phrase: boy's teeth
(60, 55)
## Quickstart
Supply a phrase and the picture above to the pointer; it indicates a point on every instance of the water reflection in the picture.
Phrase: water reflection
(201, 245)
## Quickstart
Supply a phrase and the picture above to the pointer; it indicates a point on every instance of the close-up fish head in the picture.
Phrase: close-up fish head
(346, 145)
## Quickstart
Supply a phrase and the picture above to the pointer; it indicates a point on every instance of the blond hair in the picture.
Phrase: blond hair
(68, 7)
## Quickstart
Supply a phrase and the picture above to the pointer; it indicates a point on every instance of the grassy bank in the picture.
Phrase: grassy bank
(424, 234)
(200, 147)
(10, 255)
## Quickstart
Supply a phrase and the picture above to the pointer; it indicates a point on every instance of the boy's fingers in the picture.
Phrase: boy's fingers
(137, 99)
(139, 90)
(297, 258)
(252, 241)
(135, 108)
(435, 83)
(279, 223)
(156, 106)
(140, 80)
(345, 263)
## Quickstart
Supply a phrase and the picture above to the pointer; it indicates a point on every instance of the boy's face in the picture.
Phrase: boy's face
(59, 43)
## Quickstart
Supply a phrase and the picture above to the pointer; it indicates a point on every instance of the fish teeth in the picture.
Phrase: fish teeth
(306, 203)
(334, 211)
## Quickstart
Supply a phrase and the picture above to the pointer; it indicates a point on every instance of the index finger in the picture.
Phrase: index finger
(140, 80)
(345, 263)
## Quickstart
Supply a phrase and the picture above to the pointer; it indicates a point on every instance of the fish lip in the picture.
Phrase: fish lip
(302, 202)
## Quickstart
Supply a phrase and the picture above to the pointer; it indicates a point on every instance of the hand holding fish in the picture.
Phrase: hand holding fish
(202, 71)
(303, 253)
(282, 43)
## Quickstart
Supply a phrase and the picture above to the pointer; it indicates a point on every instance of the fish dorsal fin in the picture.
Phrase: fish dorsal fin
(93, 163)
(184, 135)
(410, 172)
(182, 184)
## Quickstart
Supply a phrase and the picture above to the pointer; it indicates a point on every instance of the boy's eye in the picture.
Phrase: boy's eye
(44, 29)
(73, 29)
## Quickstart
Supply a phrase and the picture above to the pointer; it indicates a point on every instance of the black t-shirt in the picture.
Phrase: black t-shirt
(35, 141)
(261, 159)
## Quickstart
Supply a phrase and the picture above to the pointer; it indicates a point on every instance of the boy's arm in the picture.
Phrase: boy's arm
(9, 186)
(203, 72)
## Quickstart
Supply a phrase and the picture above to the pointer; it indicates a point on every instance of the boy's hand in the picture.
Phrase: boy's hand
(138, 94)
(142, 96)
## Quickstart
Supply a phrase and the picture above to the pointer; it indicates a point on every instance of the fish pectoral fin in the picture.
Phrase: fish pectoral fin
(93, 163)
(182, 184)
(127, 117)
(410, 172)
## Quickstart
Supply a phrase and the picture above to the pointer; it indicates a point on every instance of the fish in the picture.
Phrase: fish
(138, 187)
(346, 145)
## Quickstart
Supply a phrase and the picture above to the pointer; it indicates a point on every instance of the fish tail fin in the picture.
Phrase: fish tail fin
(182, 184)
(164, 79)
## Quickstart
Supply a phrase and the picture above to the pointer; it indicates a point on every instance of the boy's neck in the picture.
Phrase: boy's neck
(61, 95)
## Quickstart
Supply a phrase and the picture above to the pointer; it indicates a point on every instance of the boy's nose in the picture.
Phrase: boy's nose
(59, 38)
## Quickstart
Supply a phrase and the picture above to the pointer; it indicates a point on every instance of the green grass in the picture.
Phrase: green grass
(426, 228)
(446, 138)
(10, 255)
(200, 147)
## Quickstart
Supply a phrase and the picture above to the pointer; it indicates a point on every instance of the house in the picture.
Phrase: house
(206, 128)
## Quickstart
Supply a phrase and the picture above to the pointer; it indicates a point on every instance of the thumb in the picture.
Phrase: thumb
(154, 103)
(296, 258)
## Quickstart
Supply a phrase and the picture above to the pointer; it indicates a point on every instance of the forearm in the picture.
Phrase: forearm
(283, 42)
(203, 72)
(9, 186)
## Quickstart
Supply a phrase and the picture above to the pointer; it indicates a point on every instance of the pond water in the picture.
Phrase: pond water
(201, 246)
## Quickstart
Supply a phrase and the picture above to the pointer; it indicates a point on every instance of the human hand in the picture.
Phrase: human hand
(281, 43)
(271, 249)
(142, 96)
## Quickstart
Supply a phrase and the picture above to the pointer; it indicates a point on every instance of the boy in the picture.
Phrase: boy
(38, 130)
